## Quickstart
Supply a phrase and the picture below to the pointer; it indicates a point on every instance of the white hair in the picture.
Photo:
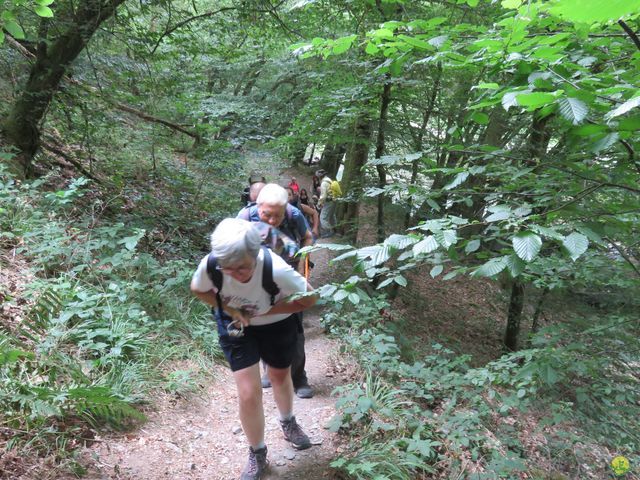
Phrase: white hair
(233, 240)
(273, 194)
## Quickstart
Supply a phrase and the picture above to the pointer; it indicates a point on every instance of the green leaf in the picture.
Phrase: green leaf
(624, 108)
(400, 280)
(416, 42)
(14, 29)
(491, 268)
(527, 245)
(630, 123)
(515, 265)
(435, 271)
(511, 4)
(1, 37)
(605, 142)
(480, 118)
(44, 12)
(498, 216)
(472, 246)
(446, 238)
(44, 3)
(371, 49)
(535, 100)
(487, 86)
(459, 178)
(400, 241)
(354, 298)
(428, 245)
(576, 244)
(573, 109)
(579, 11)
(509, 100)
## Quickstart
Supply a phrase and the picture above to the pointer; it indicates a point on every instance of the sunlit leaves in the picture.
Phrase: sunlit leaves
(579, 11)
(535, 100)
(575, 244)
(527, 245)
(491, 268)
(624, 108)
(573, 109)
(427, 245)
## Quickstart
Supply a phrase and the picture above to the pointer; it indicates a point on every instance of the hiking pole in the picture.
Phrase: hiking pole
(306, 268)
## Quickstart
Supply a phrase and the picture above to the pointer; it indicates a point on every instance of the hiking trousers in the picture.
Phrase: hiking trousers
(328, 217)
(298, 374)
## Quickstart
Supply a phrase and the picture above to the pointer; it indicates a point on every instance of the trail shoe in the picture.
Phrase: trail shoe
(304, 391)
(256, 465)
(294, 434)
(266, 383)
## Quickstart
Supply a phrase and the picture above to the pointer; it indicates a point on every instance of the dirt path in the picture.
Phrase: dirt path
(201, 438)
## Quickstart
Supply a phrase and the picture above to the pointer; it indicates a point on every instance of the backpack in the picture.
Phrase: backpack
(334, 188)
(268, 284)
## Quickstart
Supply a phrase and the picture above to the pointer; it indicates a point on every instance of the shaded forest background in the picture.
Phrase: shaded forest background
(487, 147)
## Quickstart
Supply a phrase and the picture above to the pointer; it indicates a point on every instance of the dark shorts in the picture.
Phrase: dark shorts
(274, 343)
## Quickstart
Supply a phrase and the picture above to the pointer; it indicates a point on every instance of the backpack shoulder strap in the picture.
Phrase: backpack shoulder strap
(245, 213)
(215, 276)
(268, 284)
(289, 212)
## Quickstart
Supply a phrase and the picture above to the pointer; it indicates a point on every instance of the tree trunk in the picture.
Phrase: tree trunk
(331, 158)
(516, 304)
(535, 322)
(53, 57)
(426, 116)
(380, 145)
(352, 179)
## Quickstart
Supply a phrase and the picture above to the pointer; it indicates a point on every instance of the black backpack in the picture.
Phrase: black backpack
(268, 284)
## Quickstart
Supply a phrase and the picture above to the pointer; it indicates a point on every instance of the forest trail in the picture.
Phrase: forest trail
(200, 437)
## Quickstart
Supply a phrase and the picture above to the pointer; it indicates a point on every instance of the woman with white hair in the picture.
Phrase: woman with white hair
(254, 325)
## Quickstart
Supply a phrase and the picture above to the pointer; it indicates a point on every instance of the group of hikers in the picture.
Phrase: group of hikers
(258, 288)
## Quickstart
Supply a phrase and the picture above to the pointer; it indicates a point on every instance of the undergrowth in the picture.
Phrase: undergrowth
(562, 409)
(104, 323)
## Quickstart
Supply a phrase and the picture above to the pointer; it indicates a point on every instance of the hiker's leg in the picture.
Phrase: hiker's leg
(250, 403)
(282, 389)
(298, 375)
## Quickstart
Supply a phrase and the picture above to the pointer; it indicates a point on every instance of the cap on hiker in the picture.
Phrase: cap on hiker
(321, 173)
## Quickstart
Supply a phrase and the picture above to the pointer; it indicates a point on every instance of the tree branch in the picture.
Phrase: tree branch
(631, 33)
(181, 24)
(624, 255)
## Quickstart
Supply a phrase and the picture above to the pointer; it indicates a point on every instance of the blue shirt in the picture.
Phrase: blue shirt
(294, 224)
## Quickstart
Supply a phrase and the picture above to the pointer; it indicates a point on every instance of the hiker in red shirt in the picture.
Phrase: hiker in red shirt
(293, 185)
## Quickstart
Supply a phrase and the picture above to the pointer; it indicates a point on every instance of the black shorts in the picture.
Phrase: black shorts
(274, 343)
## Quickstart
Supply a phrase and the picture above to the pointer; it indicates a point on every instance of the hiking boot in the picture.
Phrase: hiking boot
(256, 465)
(294, 434)
(266, 383)
(304, 391)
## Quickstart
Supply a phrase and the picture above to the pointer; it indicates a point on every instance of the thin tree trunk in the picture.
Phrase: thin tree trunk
(535, 321)
(380, 146)
(426, 116)
(313, 149)
(53, 57)
(514, 316)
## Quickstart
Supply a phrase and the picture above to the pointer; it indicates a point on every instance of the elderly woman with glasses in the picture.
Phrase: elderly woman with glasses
(268, 331)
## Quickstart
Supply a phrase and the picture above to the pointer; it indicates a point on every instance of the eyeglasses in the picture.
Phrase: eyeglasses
(238, 270)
